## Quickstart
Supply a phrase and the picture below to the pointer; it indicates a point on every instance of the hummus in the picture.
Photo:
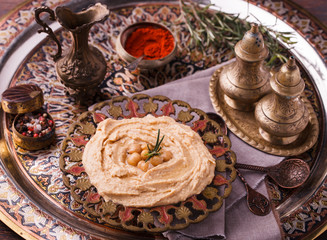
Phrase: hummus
(188, 172)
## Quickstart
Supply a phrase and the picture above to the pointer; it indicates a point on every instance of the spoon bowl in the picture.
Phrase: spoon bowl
(257, 203)
(289, 173)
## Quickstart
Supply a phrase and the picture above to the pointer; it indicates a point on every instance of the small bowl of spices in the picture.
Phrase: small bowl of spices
(155, 42)
(33, 131)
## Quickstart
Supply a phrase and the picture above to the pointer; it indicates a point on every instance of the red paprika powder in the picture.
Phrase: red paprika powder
(154, 43)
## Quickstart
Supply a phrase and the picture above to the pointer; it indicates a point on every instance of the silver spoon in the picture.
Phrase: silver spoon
(257, 203)
(289, 173)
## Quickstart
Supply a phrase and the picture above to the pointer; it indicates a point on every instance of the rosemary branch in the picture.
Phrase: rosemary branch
(214, 28)
(156, 150)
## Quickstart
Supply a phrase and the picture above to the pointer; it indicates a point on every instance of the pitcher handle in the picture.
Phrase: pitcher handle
(47, 29)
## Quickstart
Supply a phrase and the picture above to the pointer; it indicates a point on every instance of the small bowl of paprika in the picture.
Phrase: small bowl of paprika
(155, 42)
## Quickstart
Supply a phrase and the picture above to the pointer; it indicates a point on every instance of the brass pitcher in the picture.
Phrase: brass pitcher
(83, 67)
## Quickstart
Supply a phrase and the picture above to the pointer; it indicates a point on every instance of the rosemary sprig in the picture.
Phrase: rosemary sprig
(156, 150)
(218, 29)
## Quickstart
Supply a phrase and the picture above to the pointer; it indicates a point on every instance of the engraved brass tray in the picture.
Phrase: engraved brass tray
(155, 219)
(34, 201)
(243, 124)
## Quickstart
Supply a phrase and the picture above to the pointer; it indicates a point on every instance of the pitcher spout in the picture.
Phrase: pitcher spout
(84, 19)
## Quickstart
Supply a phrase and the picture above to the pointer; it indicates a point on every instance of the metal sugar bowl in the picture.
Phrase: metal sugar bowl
(282, 115)
(83, 67)
(246, 80)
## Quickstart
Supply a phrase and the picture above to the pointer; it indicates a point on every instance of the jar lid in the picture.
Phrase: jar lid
(287, 81)
(252, 47)
(22, 99)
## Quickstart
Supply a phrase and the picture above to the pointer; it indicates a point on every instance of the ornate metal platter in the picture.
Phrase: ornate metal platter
(34, 199)
(242, 124)
(176, 216)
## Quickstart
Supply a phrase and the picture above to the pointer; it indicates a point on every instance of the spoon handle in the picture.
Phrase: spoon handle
(257, 203)
(250, 167)
(133, 65)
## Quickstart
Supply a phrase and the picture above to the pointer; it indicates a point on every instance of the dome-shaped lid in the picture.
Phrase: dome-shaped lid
(287, 81)
(252, 47)
(22, 98)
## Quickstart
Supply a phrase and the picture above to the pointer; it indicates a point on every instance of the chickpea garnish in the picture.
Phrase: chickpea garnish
(141, 155)
(166, 156)
(143, 165)
(134, 148)
(144, 146)
(133, 159)
(156, 160)
(144, 154)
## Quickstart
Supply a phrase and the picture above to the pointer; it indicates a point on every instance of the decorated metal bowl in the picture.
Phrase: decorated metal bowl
(152, 42)
(33, 131)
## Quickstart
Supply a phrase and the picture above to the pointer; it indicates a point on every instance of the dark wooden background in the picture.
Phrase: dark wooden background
(317, 8)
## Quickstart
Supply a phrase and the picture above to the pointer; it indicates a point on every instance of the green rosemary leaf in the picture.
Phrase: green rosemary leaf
(213, 28)
(156, 149)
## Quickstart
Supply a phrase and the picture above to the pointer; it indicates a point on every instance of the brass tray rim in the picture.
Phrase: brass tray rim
(322, 177)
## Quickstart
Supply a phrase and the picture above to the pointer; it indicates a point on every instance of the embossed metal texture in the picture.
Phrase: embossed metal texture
(257, 203)
(34, 199)
(290, 173)
(246, 80)
(282, 116)
(83, 68)
(243, 124)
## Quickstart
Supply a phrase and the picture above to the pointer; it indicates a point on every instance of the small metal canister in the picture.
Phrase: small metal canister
(246, 80)
(23, 99)
(282, 115)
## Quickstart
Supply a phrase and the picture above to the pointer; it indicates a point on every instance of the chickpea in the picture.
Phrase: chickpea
(166, 155)
(144, 154)
(143, 165)
(134, 148)
(133, 159)
(144, 146)
(156, 160)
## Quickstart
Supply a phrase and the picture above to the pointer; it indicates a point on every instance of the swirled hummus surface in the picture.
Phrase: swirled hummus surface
(188, 172)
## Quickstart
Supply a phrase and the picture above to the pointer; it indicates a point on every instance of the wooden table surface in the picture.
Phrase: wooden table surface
(317, 8)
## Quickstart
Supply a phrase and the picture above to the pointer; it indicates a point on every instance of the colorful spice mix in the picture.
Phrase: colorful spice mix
(154, 43)
(34, 124)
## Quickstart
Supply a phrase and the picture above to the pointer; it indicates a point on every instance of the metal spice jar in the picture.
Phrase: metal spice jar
(32, 128)
(33, 131)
